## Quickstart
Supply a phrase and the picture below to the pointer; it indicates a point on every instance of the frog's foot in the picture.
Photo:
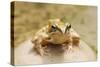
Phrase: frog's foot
(70, 49)
(41, 52)
(64, 47)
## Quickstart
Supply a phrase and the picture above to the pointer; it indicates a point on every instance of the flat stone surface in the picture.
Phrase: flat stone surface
(25, 55)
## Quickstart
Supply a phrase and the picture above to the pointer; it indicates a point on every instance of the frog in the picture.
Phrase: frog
(56, 35)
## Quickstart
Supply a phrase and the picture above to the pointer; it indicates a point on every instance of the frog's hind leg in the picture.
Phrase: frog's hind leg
(76, 41)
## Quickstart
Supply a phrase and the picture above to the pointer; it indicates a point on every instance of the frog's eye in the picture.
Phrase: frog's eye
(67, 28)
(53, 28)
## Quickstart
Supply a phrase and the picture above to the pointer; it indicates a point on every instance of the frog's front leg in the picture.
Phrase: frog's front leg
(67, 44)
(70, 47)
(38, 46)
(67, 47)
(43, 45)
(40, 50)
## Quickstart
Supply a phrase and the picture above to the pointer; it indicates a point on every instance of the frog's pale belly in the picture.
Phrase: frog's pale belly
(24, 54)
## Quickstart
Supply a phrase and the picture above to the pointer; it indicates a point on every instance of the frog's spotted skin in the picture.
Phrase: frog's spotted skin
(57, 35)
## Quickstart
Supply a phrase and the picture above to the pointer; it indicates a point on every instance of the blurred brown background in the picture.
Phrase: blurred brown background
(30, 17)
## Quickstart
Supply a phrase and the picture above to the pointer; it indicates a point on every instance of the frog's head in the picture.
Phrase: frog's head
(58, 31)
